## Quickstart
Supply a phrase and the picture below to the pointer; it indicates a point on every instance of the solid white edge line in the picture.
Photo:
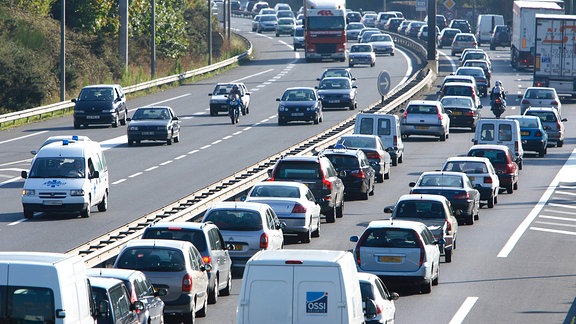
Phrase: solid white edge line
(408, 72)
(558, 218)
(463, 310)
(564, 174)
(17, 222)
(21, 137)
(552, 231)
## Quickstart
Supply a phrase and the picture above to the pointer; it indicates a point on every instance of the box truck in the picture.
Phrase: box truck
(325, 30)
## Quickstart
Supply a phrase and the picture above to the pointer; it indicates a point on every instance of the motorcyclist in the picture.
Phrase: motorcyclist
(498, 91)
(236, 91)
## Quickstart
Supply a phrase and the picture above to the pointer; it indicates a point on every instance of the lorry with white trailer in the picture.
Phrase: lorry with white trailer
(555, 53)
(523, 30)
(325, 30)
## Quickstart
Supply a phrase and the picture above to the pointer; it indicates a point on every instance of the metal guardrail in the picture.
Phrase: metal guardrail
(52, 109)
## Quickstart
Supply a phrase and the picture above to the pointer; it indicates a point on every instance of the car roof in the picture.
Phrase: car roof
(122, 274)
(239, 205)
(183, 225)
(300, 88)
(540, 88)
(459, 76)
(458, 84)
(104, 283)
(438, 198)
(468, 158)
(425, 102)
(173, 244)
(359, 136)
(404, 224)
(282, 183)
(457, 97)
(367, 277)
(489, 147)
(547, 109)
(452, 173)
(518, 117)
(102, 86)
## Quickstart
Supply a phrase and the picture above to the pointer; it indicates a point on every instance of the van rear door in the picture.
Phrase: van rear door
(318, 295)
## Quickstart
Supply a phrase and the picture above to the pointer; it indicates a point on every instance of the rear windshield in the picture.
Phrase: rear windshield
(275, 191)
(451, 90)
(539, 94)
(358, 142)
(544, 116)
(457, 102)
(235, 220)
(390, 237)
(195, 237)
(438, 180)
(495, 156)
(154, 259)
(298, 170)
(466, 167)
(26, 305)
(344, 162)
(419, 209)
(422, 109)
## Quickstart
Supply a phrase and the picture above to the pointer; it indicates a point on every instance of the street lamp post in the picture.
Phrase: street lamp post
(63, 52)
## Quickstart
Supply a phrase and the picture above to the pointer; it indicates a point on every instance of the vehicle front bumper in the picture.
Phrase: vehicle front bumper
(148, 135)
(59, 208)
(300, 116)
(96, 118)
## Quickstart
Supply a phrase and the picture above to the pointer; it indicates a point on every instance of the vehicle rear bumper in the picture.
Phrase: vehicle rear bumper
(533, 145)
(434, 130)
(184, 304)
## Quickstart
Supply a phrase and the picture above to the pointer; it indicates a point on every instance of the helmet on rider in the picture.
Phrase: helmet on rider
(498, 83)
(235, 87)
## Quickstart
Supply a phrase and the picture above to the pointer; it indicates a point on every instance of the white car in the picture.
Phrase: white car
(219, 98)
(425, 117)
(294, 204)
(361, 54)
(373, 288)
(481, 173)
(382, 44)
(540, 97)
(399, 252)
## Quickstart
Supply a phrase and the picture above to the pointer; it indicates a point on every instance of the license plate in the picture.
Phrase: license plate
(147, 133)
(52, 202)
(333, 101)
(421, 127)
(456, 113)
(390, 259)
(524, 133)
(237, 247)
(297, 114)
(471, 178)
(92, 117)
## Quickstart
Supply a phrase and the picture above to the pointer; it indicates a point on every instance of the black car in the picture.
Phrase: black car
(100, 104)
(447, 36)
(456, 187)
(355, 171)
(154, 124)
(374, 149)
(462, 111)
(353, 16)
(299, 104)
(501, 36)
(335, 92)
(461, 24)
(318, 173)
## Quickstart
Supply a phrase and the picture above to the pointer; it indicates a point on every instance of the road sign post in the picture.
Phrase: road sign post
(383, 84)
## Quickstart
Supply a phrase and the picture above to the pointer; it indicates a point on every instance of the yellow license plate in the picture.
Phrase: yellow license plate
(390, 259)
(456, 113)
(471, 178)
(237, 247)
(524, 133)
(421, 127)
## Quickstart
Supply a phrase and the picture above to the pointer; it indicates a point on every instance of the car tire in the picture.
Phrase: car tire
(123, 120)
(331, 217)
(86, 212)
(28, 214)
(340, 210)
(228, 289)
(492, 47)
(189, 318)
(365, 195)
(542, 152)
(387, 175)
(316, 120)
(379, 178)
(169, 141)
(213, 294)
(316, 233)
(371, 193)
(202, 311)
(426, 287)
(77, 125)
(470, 218)
(350, 65)
(103, 205)
(392, 54)
(401, 158)
(177, 139)
(443, 137)
(306, 237)
(491, 202)
(515, 185)
(116, 121)
(130, 142)
(213, 112)
(509, 188)
(395, 161)
(435, 281)
(560, 143)
(448, 256)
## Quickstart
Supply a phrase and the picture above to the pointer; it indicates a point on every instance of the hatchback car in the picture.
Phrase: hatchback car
(298, 38)
(534, 137)
(100, 104)
(361, 54)
(425, 117)
(478, 74)
(371, 287)
(462, 41)
(399, 252)
(286, 26)
(480, 172)
(456, 187)
(503, 161)
(219, 98)
(382, 44)
(435, 211)
(477, 54)
(463, 111)
(174, 265)
(267, 23)
(459, 78)
(299, 104)
(413, 28)
(367, 29)
(293, 203)
(501, 36)
(353, 29)
(336, 72)
(540, 97)
(369, 20)
(446, 36)
(318, 173)
(157, 123)
(552, 122)
(374, 149)
(267, 11)
(485, 65)
(336, 92)
(209, 242)
(248, 227)
(402, 27)
(423, 33)
(461, 24)
(354, 169)
(460, 89)
(285, 14)
(140, 289)
(353, 17)
(256, 22)
(393, 23)
(112, 302)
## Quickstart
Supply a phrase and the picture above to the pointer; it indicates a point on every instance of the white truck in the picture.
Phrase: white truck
(555, 53)
(524, 27)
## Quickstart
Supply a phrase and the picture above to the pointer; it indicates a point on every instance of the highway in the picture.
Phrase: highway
(513, 265)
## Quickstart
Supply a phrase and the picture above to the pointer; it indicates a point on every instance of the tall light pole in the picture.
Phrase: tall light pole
(63, 52)
(209, 32)
(153, 41)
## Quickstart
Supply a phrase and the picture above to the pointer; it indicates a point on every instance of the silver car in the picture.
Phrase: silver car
(462, 41)
(425, 117)
(553, 123)
(174, 265)
(540, 97)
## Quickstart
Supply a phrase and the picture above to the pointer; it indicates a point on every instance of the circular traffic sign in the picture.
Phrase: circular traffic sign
(383, 83)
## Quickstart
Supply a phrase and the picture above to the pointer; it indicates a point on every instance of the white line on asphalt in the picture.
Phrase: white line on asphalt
(463, 310)
(166, 163)
(408, 72)
(16, 162)
(558, 218)
(151, 168)
(561, 206)
(135, 175)
(567, 187)
(227, 137)
(247, 128)
(118, 181)
(558, 211)
(566, 174)
(451, 60)
(237, 133)
(193, 151)
(554, 224)
(17, 222)
(205, 147)
(552, 231)
(566, 193)
(163, 101)
(180, 157)
(216, 142)
(21, 137)
(10, 181)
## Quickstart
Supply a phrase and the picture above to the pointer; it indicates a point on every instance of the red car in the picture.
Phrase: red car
(504, 162)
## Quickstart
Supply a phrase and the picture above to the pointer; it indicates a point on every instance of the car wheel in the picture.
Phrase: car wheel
(316, 233)
(448, 256)
(491, 202)
(443, 137)
(350, 65)
(470, 220)
(379, 178)
(77, 125)
(28, 214)
(228, 289)
(316, 120)
(130, 142)
(516, 185)
(495, 200)
(387, 174)
(169, 141)
(364, 195)
(401, 158)
(435, 280)
(371, 193)
(189, 318)
(306, 237)
(213, 294)
(86, 212)
(277, 35)
(395, 161)
(492, 47)
(202, 312)
(340, 210)
(103, 205)
(116, 121)
(330, 217)
(426, 287)
(123, 120)
(213, 112)
(177, 139)
(520, 165)
(542, 152)
(392, 54)
(510, 188)
(559, 143)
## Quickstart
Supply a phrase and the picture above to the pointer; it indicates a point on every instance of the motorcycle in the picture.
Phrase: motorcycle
(498, 107)
(234, 108)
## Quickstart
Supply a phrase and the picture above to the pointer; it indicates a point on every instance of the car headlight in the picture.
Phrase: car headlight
(77, 192)
(79, 111)
(281, 108)
(311, 108)
(28, 192)
(160, 128)
(346, 96)
(133, 128)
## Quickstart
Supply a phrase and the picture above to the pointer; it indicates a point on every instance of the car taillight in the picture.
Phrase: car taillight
(510, 167)
(538, 134)
(395, 139)
(187, 283)
(525, 102)
(469, 114)
(440, 116)
(487, 180)
(264, 241)
(373, 155)
(448, 227)
(358, 174)
(326, 185)
(405, 114)
(516, 146)
(554, 103)
(298, 209)
(422, 252)
(207, 260)
(463, 195)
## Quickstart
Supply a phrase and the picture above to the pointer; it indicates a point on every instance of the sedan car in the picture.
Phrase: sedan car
(413, 28)
(219, 98)
(534, 137)
(374, 149)
(337, 72)
(435, 211)
(456, 187)
(353, 29)
(267, 23)
(354, 169)
(461, 24)
(158, 123)
(369, 20)
(336, 92)
(463, 111)
(371, 287)
(382, 44)
(393, 23)
(299, 104)
(425, 117)
(503, 161)
(482, 82)
(485, 65)
(361, 54)
(293, 203)
(367, 29)
(446, 36)
(399, 252)
(462, 41)
(248, 226)
(540, 97)
(480, 172)
(285, 25)
(552, 122)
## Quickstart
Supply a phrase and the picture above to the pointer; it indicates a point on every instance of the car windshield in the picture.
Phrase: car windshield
(450, 90)
(153, 259)
(437, 180)
(298, 95)
(358, 142)
(471, 167)
(97, 94)
(235, 219)
(275, 191)
(57, 167)
(334, 84)
(419, 209)
(390, 237)
(320, 23)
(457, 102)
(151, 113)
(195, 237)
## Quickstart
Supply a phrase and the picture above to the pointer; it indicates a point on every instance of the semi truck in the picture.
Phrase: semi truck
(555, 53)
(523, 28)
(325, 30)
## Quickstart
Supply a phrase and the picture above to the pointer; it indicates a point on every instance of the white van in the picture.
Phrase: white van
(66, 177)
(485, 26)
(387, 127)
(300, 287)
(40, 287)
(502, 132)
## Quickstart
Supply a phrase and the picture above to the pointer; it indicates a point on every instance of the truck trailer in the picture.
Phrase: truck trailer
(523, 27)
(555, 53)
(325, 30)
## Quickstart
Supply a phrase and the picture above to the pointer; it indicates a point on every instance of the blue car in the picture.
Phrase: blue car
(534, 137)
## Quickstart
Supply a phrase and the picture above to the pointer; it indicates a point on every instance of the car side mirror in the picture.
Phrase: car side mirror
(277, 99)
(393, 296)
(564, 119)
(73, 100)
(370, 310)
(230, 247)
(281, 225)
(210, 94)
(480, 106)
(354, 238)
(128, 119)
(174, 118)
(388, 209)
(94, 175)
(440, 241)
(269, 171)
(206, 267)
(137, 306)
(24, 174)
(412, 184)
(160, 292)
